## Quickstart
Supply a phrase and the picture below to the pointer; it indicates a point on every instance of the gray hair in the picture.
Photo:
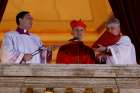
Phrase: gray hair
(113, 22)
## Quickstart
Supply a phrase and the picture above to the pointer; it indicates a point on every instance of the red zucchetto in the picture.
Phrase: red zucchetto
(76, 23)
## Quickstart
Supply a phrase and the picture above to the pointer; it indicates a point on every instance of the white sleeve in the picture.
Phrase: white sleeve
(9, 54)
(123, 52)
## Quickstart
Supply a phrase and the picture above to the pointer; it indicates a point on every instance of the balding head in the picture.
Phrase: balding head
(113, 22)
(113, 26)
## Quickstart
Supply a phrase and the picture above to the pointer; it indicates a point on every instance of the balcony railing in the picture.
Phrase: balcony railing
(69, 78)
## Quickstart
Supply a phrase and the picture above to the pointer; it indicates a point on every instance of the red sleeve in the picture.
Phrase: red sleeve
(60, 56)
(106, 39)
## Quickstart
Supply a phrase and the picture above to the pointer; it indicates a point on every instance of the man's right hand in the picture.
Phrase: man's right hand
(27, 57)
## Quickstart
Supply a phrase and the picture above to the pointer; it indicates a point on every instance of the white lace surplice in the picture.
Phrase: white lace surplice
(15, 45)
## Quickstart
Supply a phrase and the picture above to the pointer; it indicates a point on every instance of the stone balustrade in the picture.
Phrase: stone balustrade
(74, 78)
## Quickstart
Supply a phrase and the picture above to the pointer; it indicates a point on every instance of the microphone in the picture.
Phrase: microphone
(40, 49)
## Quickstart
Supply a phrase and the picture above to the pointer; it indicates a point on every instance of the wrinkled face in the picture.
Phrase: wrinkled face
(78, 32)
(114, 29)
(26, 21)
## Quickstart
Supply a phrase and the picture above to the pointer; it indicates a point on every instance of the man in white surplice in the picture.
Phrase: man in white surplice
(123, 52)
(18, 46)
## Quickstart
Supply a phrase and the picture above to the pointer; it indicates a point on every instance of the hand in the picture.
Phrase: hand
(101, 48)
(101, 59)
(27, 57)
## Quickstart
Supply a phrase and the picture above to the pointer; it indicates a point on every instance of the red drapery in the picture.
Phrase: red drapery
(3, 4)
(128, 12)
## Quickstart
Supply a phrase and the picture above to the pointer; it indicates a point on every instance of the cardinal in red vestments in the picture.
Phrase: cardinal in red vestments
(75, 51)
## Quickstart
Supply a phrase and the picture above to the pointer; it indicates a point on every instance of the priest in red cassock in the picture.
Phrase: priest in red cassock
(75, 51)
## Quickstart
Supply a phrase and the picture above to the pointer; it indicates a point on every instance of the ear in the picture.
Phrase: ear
(71, 32)
(19, 19)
